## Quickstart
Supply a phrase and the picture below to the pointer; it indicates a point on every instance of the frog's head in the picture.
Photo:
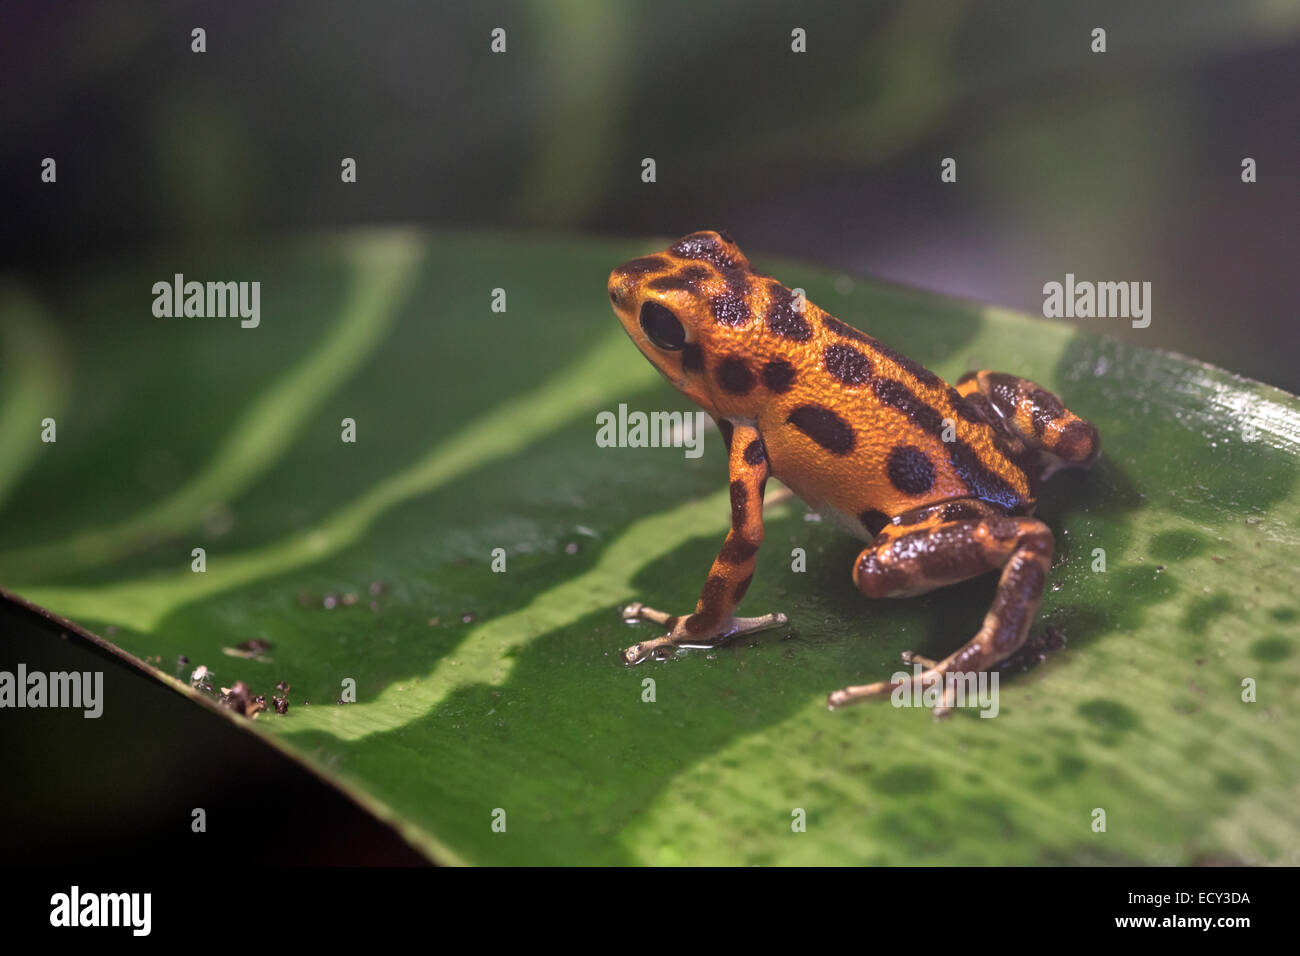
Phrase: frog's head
(678, 305)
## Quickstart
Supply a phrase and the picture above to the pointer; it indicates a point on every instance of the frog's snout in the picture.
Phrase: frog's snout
(621, 288)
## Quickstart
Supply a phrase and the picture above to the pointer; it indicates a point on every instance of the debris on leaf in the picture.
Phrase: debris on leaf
(249, 649)
(240, 700)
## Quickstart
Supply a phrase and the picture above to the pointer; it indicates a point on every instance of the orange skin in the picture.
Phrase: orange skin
(941, 479)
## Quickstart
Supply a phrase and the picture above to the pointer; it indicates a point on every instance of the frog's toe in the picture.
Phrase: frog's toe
(748, 625)
(851, 695)
(690, 631)
(661, 648)
(911, 657)
(885, 688)
(636, 611)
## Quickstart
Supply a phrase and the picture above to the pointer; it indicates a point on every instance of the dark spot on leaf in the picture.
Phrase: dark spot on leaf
(1271, 649)
(1231, 782)
(1108, 715)
(1174, 545)
(906, 778)
(1070, 767)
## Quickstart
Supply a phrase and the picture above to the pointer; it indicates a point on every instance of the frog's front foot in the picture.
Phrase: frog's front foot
(691, 629)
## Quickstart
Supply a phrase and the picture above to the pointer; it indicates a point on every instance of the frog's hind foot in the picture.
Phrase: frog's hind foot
(903, 562)
(881, 688)
(688, 630)
(636, 611)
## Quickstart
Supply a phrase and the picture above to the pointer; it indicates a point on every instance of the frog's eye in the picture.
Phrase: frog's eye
(661, 327)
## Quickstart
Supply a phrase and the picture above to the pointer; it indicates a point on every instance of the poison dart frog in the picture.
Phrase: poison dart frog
(941, 481)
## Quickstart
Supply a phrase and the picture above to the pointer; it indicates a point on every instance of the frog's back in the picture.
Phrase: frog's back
(870, 430)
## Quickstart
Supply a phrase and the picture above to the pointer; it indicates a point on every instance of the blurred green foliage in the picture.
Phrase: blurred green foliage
(1121, 166)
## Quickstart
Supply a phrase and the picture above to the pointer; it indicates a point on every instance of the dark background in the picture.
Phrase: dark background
(1117, 166)
(118, 791)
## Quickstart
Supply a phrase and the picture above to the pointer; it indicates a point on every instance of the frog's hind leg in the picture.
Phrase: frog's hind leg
(714, 617)
(1034, 415)
(912, 557)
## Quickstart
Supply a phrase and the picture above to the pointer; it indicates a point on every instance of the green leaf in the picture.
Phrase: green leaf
(479, 690)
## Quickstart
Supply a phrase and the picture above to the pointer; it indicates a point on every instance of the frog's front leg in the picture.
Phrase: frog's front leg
(714, 619)
(903, 562)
